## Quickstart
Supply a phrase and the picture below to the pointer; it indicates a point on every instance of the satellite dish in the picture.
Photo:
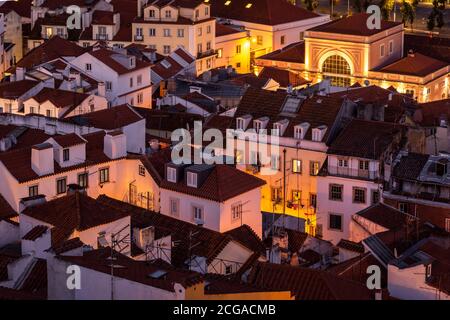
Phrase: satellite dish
(366, 82)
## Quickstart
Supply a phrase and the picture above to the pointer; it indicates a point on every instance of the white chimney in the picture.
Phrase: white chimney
(20, 73)
(42, 159)
(139, 8)
(101, 89)
(115, 145)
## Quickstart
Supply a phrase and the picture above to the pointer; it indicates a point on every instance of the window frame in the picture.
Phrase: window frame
(58, 190)
(354, 195)
(330, 192)
(101, 176)
(341, 216)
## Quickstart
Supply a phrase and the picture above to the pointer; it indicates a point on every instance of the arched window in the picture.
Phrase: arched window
(336, 65)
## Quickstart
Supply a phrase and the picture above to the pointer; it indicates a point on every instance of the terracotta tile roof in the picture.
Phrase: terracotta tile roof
(383, 215)
(61, 98)
(365, 139)
(317, 111)
(355, 269)
(250, 80)
(355, 24)
(351, 246)
(440, 267)
(296, 240)
(246, 235)
(295, 52)
(75, 212)
(184, 55)
(210, 243)
(410, 166)
(165, 73)
(35, 233)
(4, 261)
(14, 90)
(67, 245)
(435, 47)
(36, 281)
(69, 140)
(224, 30)
(218, 122)
(430, 114)
(222, 285)
(18, 162)
(161, 120)
(204, 102)
(12, 294)
(107, 57)
(6, 211)
(307, 284)
(395, 104)
(21, 7)
(223, 182)
(268, 12)
(51, 49)
(103, 17)
(138, 271)
(108, 119)
(55, 4)
(415, 64)
(283, 77)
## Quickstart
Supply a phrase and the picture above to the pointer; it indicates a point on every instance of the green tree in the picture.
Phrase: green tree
(408, 13)
(436, 17)
(386, 8)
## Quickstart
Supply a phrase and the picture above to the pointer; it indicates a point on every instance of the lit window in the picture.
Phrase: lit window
(227, 3)
(248, 6)
(314, 167)
(296, 166)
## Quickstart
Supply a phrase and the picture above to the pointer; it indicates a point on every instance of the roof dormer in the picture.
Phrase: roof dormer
(279, 127)
(69, 149)
(260, 123)
(318, 133)
(300, 130)
(243, 122)
(196, 174)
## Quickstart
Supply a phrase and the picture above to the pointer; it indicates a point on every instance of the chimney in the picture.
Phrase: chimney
(411, 53)
(101, 89)
(42, 159)
(20, 73)
(154, 144)
(115, 145)
(139, 8)
(31, 201)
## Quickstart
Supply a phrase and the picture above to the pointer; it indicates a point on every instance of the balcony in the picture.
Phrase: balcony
(205, 54)
(101, 36)
(138, 38)
(352, 172)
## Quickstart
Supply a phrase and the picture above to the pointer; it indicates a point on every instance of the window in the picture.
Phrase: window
(139, 80)
(132, 101)
(236, 212)
(180, 33)
(175, 207)
(66, 154)
(104, 175)
(359, 195)
(200, 65)
(33, 191)
(166, 49)
(141, 170)
(238, 156)
(168, 14)
(140, 98)
(259, 40)
(238, 49)
(85, 44)
(335, 221)
(32, 110)
(391, 47)
(296, 196)
(152, 32)
(301, 35)
(61, 185)
(337, 65)
(197, 13)
(166, 32)
(131, 82)
(171, 174)
(197, 213)
(228, 269)
(282, 40)
(275, 162)
(208, 46)
(88, 67)
(336, 192)
(313, 200)
(382, 50)
(192, 179)
(447, 224)
(314, 167)
(343, 163)
(108, 85)
(199, 31)
(199, 48)
(83, 179)
(363, 165)
(409, 92)
(297, 166)
(151, 13)
(375, 197)
(48, 32)
(208, 29)
(403, 207)
(275, 193)
(48, 113)
(60, 32)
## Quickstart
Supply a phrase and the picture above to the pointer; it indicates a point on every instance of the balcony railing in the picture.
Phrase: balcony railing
(138, 38)
(351, 172)
(206, 53)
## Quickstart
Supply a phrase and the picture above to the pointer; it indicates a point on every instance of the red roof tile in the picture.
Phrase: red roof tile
(103, 17)
(224, 30)
(350, 246)
(35, 233)
(6, 211)
(430, 114)
(268, 12)
(21, 7)
(294, 52)
(384, 215)
(355, 24)
(415, 64)
(36, 280)
(283, 77)
(13, 90)
(69, 140)
(107, 57)
(61, 98)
